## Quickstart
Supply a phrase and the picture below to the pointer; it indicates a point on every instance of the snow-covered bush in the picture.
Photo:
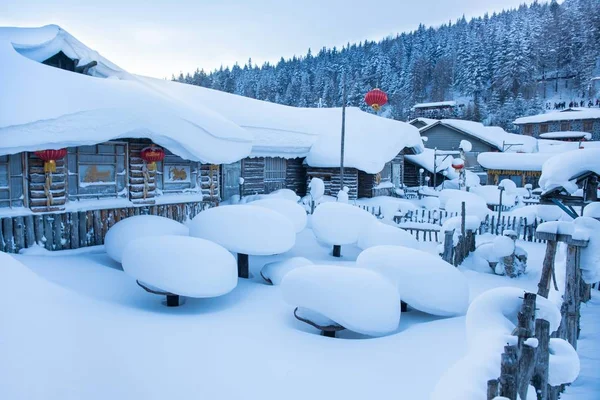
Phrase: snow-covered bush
(181, 265)
(377, 234)
(424, 281)
(139, 226)
(246, 230)
(358, 299)
(503, 255)
(274, 272)
(339, 224)
(289, 209)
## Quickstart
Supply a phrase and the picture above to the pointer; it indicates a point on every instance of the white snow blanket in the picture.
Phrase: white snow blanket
(562, 169)
(513, 161)
(451, 200)
(377, 234)
(576, 113)
(339, 223)
(590, 255)
(564, 365)
(317, 189)
(275, 271)
(289, 209)
(139, 226)
(245, 229)
(491, 318)
(592, 210)
(424, 281)
(181, 265)
(472, 223)
(358, 299)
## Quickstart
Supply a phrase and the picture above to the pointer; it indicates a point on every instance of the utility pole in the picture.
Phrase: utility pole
(344, 101)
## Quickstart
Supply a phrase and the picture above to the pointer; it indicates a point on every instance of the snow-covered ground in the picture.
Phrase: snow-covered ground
(75, 326)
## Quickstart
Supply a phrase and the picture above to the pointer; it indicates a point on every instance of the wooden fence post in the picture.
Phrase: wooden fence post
(448, 247)
(547, 269)
(508, 373)
(570, 311)
(542, 359)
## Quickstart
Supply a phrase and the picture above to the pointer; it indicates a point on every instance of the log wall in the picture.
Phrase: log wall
(331, 178)
(253, 172)
(72, 230)
(295, 176)
(38, 196)
(136, 176)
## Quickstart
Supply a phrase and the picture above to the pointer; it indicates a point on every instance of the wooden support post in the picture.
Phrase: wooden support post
(337, 250)
(19, 228)
(403, 306)
(508, 373)
(547, 269)
(448, 247)
(526, 330)
(540, 372)
(243, 269)
(328, 333)
(492, 389)
(570, 311)
(172, 300)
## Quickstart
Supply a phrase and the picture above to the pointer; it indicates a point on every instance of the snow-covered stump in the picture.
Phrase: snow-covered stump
(246, 230)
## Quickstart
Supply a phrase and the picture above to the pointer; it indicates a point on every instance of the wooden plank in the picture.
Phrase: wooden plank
(2, 243)
(9, 242)
(29, 231)
(74, 232)
(540, 371)
(89, 223)
(547, 269)
(66, 234)
(83, 228)
(19, 233)
(39, 229)
(97, 226)
(104, 226)
(57, 234)
(48, 231)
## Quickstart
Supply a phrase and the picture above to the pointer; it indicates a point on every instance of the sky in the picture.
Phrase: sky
(159, 38)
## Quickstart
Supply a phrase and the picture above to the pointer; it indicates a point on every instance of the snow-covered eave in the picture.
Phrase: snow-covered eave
(287, 153)
(457, 129)
(575, 115)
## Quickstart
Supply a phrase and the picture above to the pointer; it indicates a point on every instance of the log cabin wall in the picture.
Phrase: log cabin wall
(331, 178)
(366, 184)
(295, 178)
(72, 230)
(209, 182)
(253, 172)
(140, 192)
(41, 199)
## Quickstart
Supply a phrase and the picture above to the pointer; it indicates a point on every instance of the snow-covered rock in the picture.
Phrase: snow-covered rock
(245, 229)
(358, 299)
(275, 271)
(377, 234)
(139, 226)
(339, 223)
(181, 265)
(289, 209)
(424, 281)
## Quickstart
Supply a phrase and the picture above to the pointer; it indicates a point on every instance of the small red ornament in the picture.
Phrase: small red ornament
(50, 157)
(152, 155)
(458, 164)
(376, 98)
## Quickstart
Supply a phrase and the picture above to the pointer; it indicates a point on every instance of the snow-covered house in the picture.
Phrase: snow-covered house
(421, 122)
(93, 120)
(571, 119)
(439, 109)
(447, 134)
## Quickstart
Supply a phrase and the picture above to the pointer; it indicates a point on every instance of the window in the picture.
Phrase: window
(176, 175)
(528, 130)
(565, 126)
(97, 171)
(275, 169)
(11, 181)
(517, 179)
(544, 128)
(588, 126)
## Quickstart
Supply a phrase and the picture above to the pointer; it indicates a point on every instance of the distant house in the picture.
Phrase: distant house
(447, 134)
(571, 119)
(438, 110)
(422, 122)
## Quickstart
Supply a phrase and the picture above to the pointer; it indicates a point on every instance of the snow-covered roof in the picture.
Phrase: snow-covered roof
(566, 135)
(513, 161)
(493, 135)
(563, 169)
(569, 114)
(426, 121)
(559, 146)
(435, 104)
(60, 108)
(426, 160)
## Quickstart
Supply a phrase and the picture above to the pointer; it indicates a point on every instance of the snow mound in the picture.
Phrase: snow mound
(245, 229)
(139, 226)
(424, 281)
(509, 186)
(465, 145)
(339, 223)
(451, 200)
(377, 234)
(358, 299)
(564, 363)
(185, 265)
(342, 196)
(292, 211)
(275, 271)
(503, 246)
(562, 169)
(592, 210)
(590, 255)
(472, 223)
(317, 188)
(287, 194)
(430, 203)
(491, 195)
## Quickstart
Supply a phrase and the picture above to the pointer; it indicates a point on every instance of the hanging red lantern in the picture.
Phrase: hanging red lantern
(50, 157)
(458, 164)
(152, 155)
(376, 98)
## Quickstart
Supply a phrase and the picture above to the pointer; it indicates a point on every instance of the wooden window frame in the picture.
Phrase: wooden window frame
(173, 160)
(528, 130)
(588, 125)
(566, 124)
(275, 169)
(11, 200)
(78, 154)
(544, 128)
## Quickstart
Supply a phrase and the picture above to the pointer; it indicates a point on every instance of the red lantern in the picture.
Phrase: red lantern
(458, 164)
(152, 155)
(376, 98)
(50, 157)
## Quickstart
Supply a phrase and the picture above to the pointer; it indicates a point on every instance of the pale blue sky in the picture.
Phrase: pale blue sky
(159, 37)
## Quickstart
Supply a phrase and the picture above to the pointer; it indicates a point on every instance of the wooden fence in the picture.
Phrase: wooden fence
(527, 362)
(72, 230)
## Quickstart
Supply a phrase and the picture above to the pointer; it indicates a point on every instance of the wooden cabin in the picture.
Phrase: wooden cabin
(585, 120)
(93, 187)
